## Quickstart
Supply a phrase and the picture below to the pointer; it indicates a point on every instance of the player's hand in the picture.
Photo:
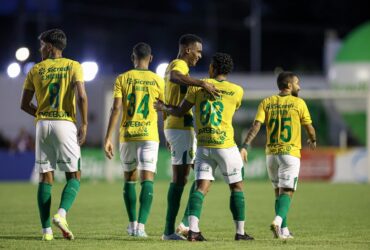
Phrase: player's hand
(244, 154)
(158, 105)
(311, 144)
(82, 130)
(211, 89)
(108, 149)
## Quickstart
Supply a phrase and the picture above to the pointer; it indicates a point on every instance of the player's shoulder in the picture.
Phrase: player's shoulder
(178, 63)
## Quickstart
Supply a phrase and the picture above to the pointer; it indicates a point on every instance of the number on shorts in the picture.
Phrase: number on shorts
(211, 112)
(143, 105)
(274, 126)
(54, 94)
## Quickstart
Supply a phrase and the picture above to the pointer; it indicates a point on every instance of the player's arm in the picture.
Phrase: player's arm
(26, 102)
(310, 130)
(179, 111)
(82, 104)
(252, 133)
(114, 115)
(179, 78)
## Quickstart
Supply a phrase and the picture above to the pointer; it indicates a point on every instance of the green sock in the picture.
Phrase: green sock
(173, 204)
(237, 205)
(146, 198)
(186, 214)
(44, 202)
(196, 203)
(284, 223)
(69, 193)
(129, 196)
(283, 205)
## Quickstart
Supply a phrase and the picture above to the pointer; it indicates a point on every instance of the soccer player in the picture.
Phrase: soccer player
(215, 141)
(134, 93)
(55, 81)
(179, 131)
(283, 114)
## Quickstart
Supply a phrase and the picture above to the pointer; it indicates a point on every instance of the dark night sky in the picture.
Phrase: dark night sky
(292, 31)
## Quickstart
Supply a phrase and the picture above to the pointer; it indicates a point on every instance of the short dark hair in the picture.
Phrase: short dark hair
(284, 78)
(222, 63)
(56, 37)
(142, 50)
(188, 39)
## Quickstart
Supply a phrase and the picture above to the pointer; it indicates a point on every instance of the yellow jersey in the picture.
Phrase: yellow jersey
(53, 80)
(214, 117)
(139, 89)
(174, 93)
(283, 116)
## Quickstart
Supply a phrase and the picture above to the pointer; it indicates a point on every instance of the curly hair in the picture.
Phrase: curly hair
(222, 63)
(56, 37)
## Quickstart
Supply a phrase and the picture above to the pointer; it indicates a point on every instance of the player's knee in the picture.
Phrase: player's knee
(236, 187)
(288, 191)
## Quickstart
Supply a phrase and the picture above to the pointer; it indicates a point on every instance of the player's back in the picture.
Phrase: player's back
(214, 117)
(284, 115)
(139, 89)
(53, 82)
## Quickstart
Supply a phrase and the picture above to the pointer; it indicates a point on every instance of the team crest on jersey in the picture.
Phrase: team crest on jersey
(42, 71)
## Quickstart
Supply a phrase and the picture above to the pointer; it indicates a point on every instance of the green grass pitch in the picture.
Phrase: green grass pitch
(322, 216)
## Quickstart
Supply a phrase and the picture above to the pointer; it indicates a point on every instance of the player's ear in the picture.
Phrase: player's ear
(151, 58)
(132, 58)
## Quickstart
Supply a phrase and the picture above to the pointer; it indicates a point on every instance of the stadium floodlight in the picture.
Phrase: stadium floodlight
(90, 69)
(27, 67)
(22, 54)
(161, 69)
(13, 70)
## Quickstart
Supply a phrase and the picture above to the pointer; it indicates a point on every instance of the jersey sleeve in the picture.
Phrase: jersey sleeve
(240, 98)
(261, 115)
(77, 72)
(180, 66)
(117, 90)
(28, 83)
(190, 94)
(305, 114)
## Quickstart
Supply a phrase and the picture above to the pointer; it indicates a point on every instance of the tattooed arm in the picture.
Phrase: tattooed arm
(252, 132)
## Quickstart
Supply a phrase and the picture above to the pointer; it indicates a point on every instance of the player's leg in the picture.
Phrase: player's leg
(288, 176)
(128, 155)
(44, 203)
(64, 137)
(147, 155)
(181, 143)
(183, 227)
(45, 159)
(203, 168)
(284, 225)
(231, 167)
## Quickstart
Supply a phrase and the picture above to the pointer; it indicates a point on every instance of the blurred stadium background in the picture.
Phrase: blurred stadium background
(319, 40)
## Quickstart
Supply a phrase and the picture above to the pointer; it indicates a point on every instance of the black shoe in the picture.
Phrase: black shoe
(193, 236)
(244, 236)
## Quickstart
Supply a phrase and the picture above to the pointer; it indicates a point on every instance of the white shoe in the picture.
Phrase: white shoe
(182, 230)
(286, 234)
(276, 231)
(173, 236)
(131, 231)
(140, 233)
